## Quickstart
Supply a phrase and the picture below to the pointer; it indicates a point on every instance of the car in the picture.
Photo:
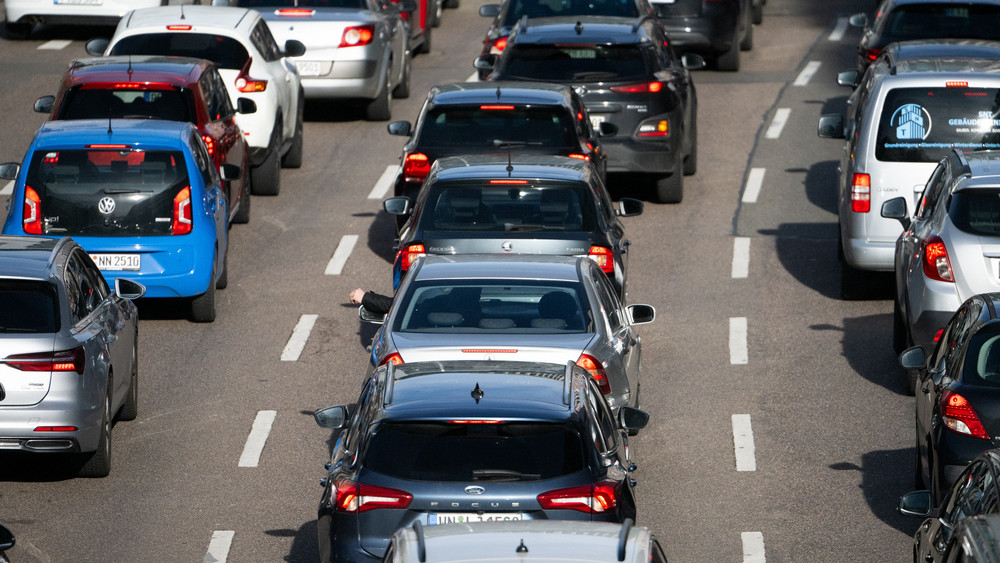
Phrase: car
(251, 63)
(958, 403)
(23, 15)
(454, 441)
(68, 353)
(531, 204)
(965, 521)
(358, 49)
(917, 103)
(6, 542)
(494, 118)
(628, 76)
(524, 308)
(527, 540)
(171, 88)
(715, 29)
(142, 197)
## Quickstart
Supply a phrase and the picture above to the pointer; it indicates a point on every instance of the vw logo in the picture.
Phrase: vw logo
(106, 205)
(506, 246)
(474, 490)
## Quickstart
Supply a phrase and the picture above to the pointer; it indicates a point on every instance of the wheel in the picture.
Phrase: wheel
(243, 213)
(747, 43)
(130, 409)
(266, 178)
(293, 158)
(14, 31)
(670, 189)
(757, 12)
(402, 90)
(434, 19)
(223, 281)
(425, 47)
(380, 109)
(98, 463)
(451, 3)
(730, 60)
(691, 158)
(203, 306)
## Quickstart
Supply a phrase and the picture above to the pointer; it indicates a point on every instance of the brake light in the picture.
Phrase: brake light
(598, 498)
(489, 350)
(498, 46)
(937, 335)
(409, 254)
(596, 371)
(182, 223)
(416, 166)
(209, 144)
(656, 128)
(475, 421)
(106, 146)
(394, 359)
(294, 12)
(872, 54)
(505, 182)
(246, 84)
(959, 416)
(937, 266)
(126, 86)
(65, 360)
(603, 257)
(32, 221)
(500, 107)
(956, 84)
(578, 156)
(861, 193)
(356, 36)
(350, 496)
(652, 87)
(176, 27)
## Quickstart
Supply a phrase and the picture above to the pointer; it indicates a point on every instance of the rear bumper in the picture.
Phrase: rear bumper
(629, 154)
(344, 79)
(68, 403)
(180, 270)
(866, 255)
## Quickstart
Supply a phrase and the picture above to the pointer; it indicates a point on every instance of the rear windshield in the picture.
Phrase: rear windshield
(576, 63)
(225, 52)
(505, 208)
(106, 192)
(942, 21)
(552, 8)
(28, 307)
(494, 306)
(481, 125)
(441, 451)
(102, 102)
(976, 212)
(301, 3)
(924, 124)
(982, 361)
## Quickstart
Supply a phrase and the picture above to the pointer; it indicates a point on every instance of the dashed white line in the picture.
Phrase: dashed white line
(807, 73)
(474, 77)
(743, 443)
(755, 180)
(8, 189)
(741, 257)
(218, 547)
(777, 123)
(257, 438)
(54, 45)
(300, 335)
(738, 340)
(838, 30)
(384, 181)
(336, 264)
(753, 547)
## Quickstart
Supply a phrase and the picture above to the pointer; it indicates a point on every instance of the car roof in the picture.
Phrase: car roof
(945, 2)
(134, 132)
(591, 30)
(500, 92)
(943, 55)
(178, 71)
(27, 257)
(522, 167)
(498, 266)
(201, 18)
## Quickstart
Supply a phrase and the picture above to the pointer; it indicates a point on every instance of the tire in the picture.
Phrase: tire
(670, 189)
(130, 410)
(730, 60)
(15, 31)
(223, 281)
(451, 3)
(425, 47)
(435, 17)
(243, 213)
(293, 158)
(746, 43)
(757, 13)
(402, 90)
(98, 463)
(691, 158)
(380, 109)
(203, 306)
(266, 178)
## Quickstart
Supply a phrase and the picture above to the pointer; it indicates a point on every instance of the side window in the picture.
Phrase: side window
(93, 274)
(606, 429)
(968, 493)
(206, 87)
(264, 42)
(84, 290)
(220, 96)
(608, 300)
(946, 342)
(205, 165)
(74, 293)
(933, 190)
(586, 130)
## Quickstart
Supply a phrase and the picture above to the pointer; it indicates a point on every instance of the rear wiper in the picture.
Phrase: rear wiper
(121, 190)
(594, 75)
(502, 474)
(508, 227)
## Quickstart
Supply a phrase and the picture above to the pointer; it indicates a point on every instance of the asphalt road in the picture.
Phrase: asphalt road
(815, 376)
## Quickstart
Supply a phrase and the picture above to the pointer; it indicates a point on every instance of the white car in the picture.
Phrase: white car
(251, 63)
(22, 15)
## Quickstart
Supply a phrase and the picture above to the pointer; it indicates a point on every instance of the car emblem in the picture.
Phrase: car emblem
(106, 205)
(506, 246)
(474, 490)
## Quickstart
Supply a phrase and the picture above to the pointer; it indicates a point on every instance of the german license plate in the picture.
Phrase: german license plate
(434, 518)
(308, 68)
(117, 262)
(596, 121)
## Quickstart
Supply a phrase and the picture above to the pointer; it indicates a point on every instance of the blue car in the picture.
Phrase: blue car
(142, 197)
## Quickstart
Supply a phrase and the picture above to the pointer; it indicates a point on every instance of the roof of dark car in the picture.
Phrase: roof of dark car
(500, 92)
(523, 167)
(943, 55)
(178, 71)
(26, 257)
(592, 30)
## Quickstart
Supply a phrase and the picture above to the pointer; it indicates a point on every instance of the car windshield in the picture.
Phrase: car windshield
(28, 307)
(106, 192)
(507, 306)
(301, 3)
(102, 101)
(976, 212)
(982, 360)
(505, 208)
(225, 52)
(925, 124)
(480, 125)
(553, 8)
(575, 63)
(460, 451)
(942, 20)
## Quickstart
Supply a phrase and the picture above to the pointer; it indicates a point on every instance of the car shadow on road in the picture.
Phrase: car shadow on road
(867, 346)
(821, 184)
(381, 236)
(885, 476)
(304, 545)
(38, 468)
(808, 251)
(333, 111)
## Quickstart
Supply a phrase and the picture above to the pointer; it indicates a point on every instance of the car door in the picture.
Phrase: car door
(621, 337)
(215, 199)
(93, 328)
(286, 77)
(974, 491)
(230, 146)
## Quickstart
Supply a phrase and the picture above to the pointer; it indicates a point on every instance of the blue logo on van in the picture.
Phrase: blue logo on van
(911, 122)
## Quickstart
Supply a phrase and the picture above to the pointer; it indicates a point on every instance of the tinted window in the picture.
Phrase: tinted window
(264, 42)
(976, 211)
(506, 208)
(942, 20)
(224, 51)
(472, 126)
(550, 8)
(924, 124)
(576, 63)
(440, 451)
(95, 102)
(28, 307)
(982, 359)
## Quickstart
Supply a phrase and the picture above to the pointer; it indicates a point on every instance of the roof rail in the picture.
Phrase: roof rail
(418, 528)
(390, 382)
(55, 250)
(638, 21)
(568, 384)
(623, 538)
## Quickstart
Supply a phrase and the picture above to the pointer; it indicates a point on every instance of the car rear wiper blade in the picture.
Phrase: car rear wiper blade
(594, 75)
(508, 227)
(121, 190)
(511, 474)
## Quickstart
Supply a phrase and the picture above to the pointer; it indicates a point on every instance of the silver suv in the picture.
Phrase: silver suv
(915, 104)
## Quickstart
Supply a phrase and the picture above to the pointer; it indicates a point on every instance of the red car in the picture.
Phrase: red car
(169, 88)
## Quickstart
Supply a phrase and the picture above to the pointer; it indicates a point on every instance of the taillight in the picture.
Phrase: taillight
(182, 222)
(594, 499)
(937, 266)
(603, 257)
(394, 359)
(178, 27)
(32, 221)
(653, 87)
(959, 416)
(872, 54)
(498, 46)
(579, 156)
(596, 371)
(66, 360)
(861, 193)
(246, 84)
(356, 36)
(416, 166)
(209, 144)
(496, 107)
(654, 128)
(409, 254)
(56, 429)
(355, 497)
(294, 12)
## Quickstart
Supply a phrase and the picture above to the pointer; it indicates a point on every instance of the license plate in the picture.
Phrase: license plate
(117, 261)
(308, 68)
(596, 121)
(87, 2)
(433, 518)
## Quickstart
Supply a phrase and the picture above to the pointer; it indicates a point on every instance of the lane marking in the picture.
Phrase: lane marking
(8, 189)
(807, 73)
(755, 180)
(340, 256)
(218, 547)
(474, 77)
(741, 257)
(753, 547)
(743, 443)
(300, 334)
(257, 438)
(778, 123)
(384, 182)
(54, 45)
(838, 30)
(738, 340)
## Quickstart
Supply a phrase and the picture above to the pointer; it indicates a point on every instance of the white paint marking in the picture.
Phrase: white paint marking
(807, 73)
(300, 334)
(474, 77)
(340, 256)
(738, 340)
(54, 45)
(754, 182)
(218, 548)
(741, 257)
(8, 189)
(384, 182)
(838, 30)
(743, 442)
(753, 547)
(258, 437)
(778, 123)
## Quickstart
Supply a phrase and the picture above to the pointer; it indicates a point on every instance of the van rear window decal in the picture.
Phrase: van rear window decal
(924, 124)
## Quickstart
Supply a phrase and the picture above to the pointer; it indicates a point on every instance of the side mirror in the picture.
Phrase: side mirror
(486, 62)
(632, 419)
(831, 126)
(859, 19)
(607, 129)
(245, 105)
(692, 61)
(489, 10)
(630, 207)
(9, 170)
(407, 6)
(848, 78)
(333, 418)
(230, 172)
(915, 503)
(895, 208)
(397, 205)
(97, 47)
(45, 104)
(369, 317)
(641, 314)
(913, 358)
(6, 539)
(129, 289)
(401, 128)
(294, 48)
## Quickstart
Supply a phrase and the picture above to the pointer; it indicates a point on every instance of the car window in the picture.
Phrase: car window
(221, 107)
(225, 52)
(576, 63)
(93, 275)
(502, 207)
(606, 431)
(28, 307)
(976, 212)
(606, 295)
(84, 298)
(982, 358)
(970, 492)
(944, 342)
(103, 101)
(933, 190)
(205, 165)
(264, 42)
(940, 21)
(301, 3)
(480, 125)
(553, 8)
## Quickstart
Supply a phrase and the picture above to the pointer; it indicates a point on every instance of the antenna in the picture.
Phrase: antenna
(109, 120)
(182, 11)
(130, 67)
(578, 28)
(498, 92)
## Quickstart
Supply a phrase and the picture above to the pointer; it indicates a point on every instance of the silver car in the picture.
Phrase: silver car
(68, 351)
(518, 308)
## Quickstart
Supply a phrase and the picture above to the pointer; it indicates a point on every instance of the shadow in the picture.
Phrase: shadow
(82, 33)
(343, 111)
(27, 467)
(834, 104)
(821, 184)
(305, 546)
(381, 238)
(624, 184)
(366, 332)
(886, 475)
(163, 309)
(867, 346)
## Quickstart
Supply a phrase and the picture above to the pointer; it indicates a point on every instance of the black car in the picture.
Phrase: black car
(472, 441)
(958, 393)
(628, 76)
(498, 118)
(716, 29)
(526, 205)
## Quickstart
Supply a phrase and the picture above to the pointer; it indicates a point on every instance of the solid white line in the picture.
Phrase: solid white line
(8, 189)
(743, 442)
(838, 30)
(384, 181)
(257, 438)
(54, 45)
(300, 334)
(218, 548)
(807, 73)
(754, 182)
(340, 256)
(777, 123)
(738, 340)
(753, 547)
(474, 77)
(741, 257)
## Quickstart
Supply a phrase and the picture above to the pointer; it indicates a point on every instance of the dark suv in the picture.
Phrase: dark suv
(628, 76)
(472, 441)
(717, 29)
